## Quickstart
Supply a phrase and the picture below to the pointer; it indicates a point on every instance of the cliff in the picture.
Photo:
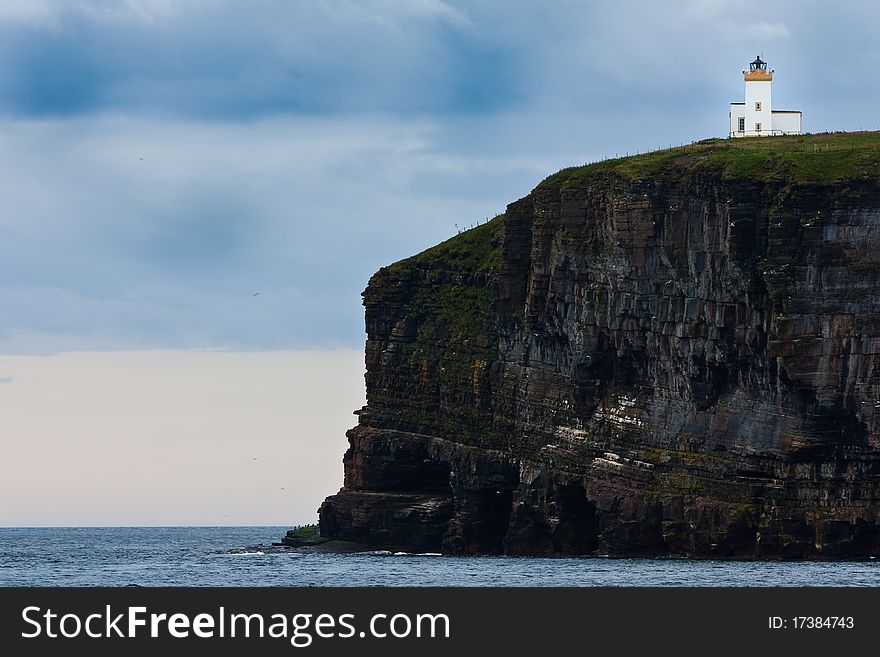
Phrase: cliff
(673, 353)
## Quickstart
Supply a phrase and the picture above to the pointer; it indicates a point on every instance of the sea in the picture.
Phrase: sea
(246, 556)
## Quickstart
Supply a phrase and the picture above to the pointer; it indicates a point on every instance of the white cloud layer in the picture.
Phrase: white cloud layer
(161, 161)
(51, 13)
(127, 232)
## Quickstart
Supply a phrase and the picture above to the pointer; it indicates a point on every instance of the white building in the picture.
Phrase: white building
(756, 116)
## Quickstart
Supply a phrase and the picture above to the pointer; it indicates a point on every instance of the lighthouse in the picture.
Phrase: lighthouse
(756, 117)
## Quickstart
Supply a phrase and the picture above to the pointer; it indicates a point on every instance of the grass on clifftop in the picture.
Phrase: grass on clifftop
(819, 158)
(814, 158)
(477, 250)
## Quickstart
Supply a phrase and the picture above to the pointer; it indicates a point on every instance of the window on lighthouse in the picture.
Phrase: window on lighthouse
(757, 127)
(757, 107)
(742, 124)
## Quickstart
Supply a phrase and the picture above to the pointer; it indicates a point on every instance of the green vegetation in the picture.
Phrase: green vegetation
(304, 532)
(448, 316)
(811, 158)
(477, 250)
(304, 535)
(308, 536)
(465, 311)
(819, 158)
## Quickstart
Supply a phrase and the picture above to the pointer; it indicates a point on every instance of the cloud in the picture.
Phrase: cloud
(220, 58)
(52, 14)
(161, 161)
(27, 12)
(390, 12)
(122, 232)
(224, 60)
(114, 11)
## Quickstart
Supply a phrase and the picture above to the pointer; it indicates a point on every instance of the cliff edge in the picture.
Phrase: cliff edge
(676, 353)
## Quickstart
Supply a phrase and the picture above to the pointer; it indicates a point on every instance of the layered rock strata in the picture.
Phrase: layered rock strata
(674, 358)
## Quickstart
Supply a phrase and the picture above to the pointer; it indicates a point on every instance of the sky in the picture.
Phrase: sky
(219, 177)
(174, 437)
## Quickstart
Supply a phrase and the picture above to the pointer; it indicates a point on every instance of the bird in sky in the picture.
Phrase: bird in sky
(256, 293)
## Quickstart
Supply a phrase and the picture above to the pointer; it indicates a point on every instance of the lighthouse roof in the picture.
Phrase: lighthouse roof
(759, 64)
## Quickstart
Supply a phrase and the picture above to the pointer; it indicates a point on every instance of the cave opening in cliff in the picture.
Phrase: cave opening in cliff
(432, 477)
(577, 531)
(493, 508)
(419, 475)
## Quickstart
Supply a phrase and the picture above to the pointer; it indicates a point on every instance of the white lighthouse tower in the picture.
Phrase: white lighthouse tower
(756, 116)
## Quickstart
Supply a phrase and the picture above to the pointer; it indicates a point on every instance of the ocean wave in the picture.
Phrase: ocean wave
(389, 553)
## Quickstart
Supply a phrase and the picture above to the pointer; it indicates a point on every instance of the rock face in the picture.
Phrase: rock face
(677, 354)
